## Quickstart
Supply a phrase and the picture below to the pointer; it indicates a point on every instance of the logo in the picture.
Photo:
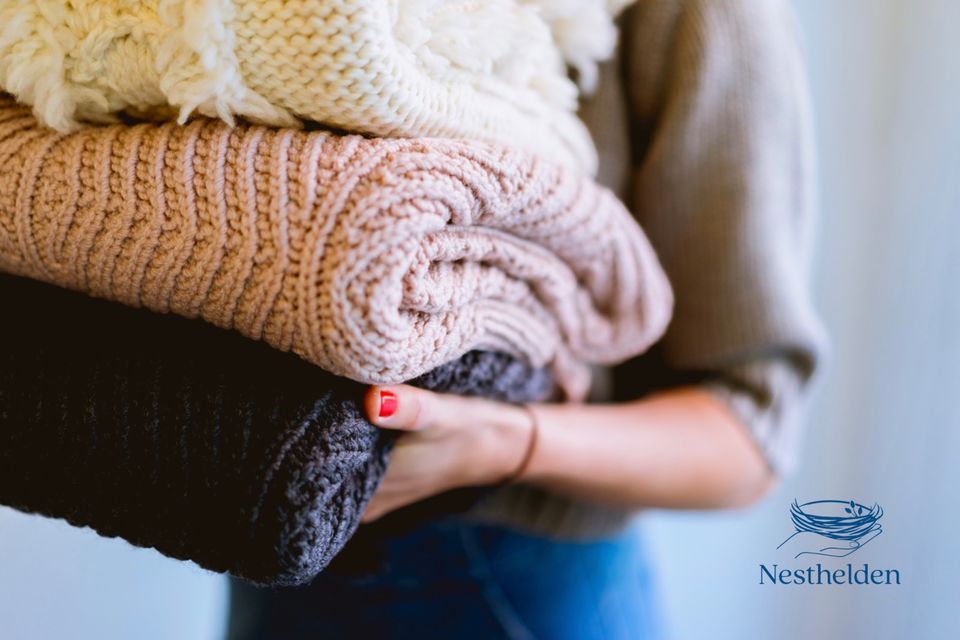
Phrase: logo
(835, 528)
(829, 529)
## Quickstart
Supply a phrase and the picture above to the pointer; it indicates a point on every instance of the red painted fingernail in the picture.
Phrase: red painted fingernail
(388, 404)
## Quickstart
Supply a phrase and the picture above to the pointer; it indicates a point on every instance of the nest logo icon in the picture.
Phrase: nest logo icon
(836, 528)
(830, 529)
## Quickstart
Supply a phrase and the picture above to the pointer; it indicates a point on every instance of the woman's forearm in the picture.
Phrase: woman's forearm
(679, 449)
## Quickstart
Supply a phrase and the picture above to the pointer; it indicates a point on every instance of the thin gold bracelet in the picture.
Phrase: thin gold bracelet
(531, 447)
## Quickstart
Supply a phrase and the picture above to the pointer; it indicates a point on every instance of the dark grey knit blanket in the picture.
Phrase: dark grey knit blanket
(172, 434)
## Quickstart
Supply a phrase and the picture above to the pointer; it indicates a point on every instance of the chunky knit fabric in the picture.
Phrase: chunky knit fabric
(176, 435)
(492, 70)
(377, 260)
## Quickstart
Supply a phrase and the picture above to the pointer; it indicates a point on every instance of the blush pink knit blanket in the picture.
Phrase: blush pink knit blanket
(376, 259)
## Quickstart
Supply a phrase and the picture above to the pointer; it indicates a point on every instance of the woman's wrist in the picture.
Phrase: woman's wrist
(507, 443)
(551, 449)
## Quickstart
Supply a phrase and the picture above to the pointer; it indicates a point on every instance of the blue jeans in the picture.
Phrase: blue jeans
(454, 579)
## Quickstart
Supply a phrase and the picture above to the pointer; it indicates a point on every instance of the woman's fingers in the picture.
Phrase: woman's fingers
(453, 441)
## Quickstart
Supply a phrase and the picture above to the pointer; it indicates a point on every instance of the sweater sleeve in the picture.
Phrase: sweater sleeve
(724, 185)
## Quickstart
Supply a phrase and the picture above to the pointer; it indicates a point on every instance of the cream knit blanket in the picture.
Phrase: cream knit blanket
(488, 70)
(376, 259)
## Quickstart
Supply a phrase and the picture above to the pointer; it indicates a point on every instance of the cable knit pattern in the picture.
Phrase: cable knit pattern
(377, 260)
(174, 434)
(492, 70)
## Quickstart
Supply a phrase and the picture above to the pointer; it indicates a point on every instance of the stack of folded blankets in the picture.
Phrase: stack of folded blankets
(220, 219)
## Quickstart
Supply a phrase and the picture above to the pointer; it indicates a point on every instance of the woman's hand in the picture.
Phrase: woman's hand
(679, 449)
(450, 441)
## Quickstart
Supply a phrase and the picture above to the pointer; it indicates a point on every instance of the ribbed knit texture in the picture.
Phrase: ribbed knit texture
(200, 443)
(494, 71)
(377, 260)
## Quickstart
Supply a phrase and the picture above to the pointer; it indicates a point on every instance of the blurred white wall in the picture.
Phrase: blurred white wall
(59, 582)
(885, 426)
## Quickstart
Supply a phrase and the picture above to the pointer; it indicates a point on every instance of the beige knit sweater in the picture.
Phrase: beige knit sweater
(376, 259)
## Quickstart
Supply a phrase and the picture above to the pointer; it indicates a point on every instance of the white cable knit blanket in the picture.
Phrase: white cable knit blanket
(486, 70)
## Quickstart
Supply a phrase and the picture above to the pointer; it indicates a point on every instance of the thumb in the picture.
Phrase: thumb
(401, 407)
